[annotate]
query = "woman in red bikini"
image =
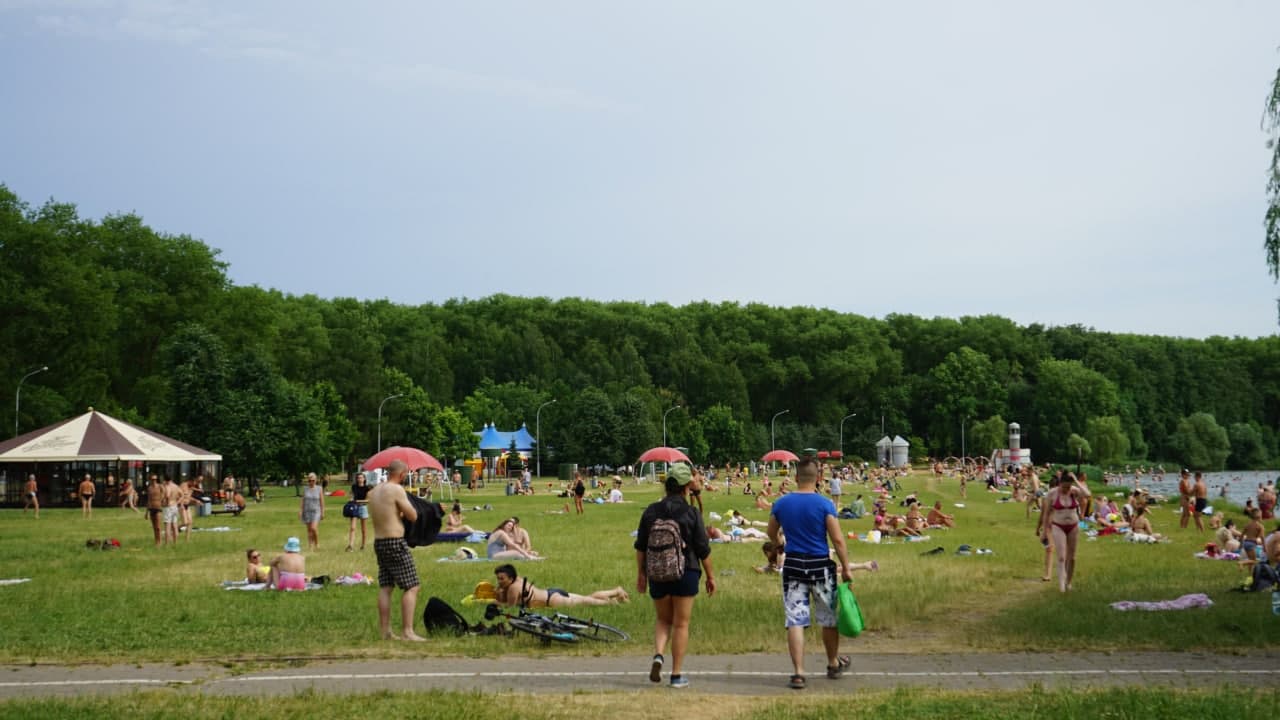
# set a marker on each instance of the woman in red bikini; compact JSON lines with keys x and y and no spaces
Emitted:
{"x":1063,"y":502}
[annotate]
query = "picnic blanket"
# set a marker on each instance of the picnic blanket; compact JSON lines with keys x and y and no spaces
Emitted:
{"x":246,"y":585}
{"x":1186,"y":602}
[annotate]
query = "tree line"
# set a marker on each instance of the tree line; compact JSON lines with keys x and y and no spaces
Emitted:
{"x":147,"y":326}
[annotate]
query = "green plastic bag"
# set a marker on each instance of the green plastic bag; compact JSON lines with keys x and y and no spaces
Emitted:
{"x":848,"y":615}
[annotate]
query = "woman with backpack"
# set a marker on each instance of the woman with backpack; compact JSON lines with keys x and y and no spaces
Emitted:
{"x":670,"y":545}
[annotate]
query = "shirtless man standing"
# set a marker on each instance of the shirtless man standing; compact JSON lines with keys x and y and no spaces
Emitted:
{"x":31,"y":496}
{"x":1201,"y":492}
{"x":87,"y":491}
{"x":155,"y":506}
{"x":172,"y":496}
{"x":1185,"y":492}
{"x":389,"y":508}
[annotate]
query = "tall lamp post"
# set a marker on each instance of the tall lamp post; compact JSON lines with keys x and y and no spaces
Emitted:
{"x":664,"y":423}
{"x":537,"y":430}
{"x":384,"y":402}
{"x":846,"y":417}
{"x":17,"y":397}
{"x":773,"y":445}
{"x":963,"y":422}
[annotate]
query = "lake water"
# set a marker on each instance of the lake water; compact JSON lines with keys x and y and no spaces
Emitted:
{"x":1241,"y":485}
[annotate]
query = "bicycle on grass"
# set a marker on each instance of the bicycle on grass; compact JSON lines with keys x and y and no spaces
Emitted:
{"x":558,"y":627}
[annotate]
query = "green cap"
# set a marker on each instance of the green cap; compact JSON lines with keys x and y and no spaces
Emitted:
{"x":681,"y":472}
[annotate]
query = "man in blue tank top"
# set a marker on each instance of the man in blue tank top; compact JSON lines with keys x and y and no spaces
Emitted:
{"x":808,"y":519}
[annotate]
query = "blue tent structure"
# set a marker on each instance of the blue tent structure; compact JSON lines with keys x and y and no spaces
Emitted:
{"x":492,"y":438}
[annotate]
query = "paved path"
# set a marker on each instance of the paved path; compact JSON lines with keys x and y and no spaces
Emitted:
{"x":719,"y":674}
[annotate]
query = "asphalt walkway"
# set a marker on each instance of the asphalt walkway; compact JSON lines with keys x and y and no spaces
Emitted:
{"x":754,"y":674}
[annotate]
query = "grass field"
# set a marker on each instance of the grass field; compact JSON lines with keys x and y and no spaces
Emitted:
{"x":140,"y":603}
{"x":1136,"y":703}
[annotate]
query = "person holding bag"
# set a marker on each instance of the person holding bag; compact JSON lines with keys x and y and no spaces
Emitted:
{"x":671,"y":544}
{"x":808,"y":573}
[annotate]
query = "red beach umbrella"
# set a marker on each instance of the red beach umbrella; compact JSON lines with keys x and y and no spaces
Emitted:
{"x":663,"y":454}
{"x":413,"y":457}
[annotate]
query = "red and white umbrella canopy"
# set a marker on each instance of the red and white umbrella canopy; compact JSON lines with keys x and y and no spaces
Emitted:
{"x":413,"y":457}
{"x":783,"y":456}
{"x":95,"y":436}
{"x":663,"y":454}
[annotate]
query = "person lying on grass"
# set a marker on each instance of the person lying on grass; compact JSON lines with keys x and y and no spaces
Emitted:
{"x":515,"y":590}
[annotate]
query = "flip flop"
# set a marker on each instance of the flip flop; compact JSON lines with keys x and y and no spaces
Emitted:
{"x":797,"y":682}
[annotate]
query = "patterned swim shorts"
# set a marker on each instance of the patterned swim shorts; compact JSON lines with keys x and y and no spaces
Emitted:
{"x":809,"y":585}
{"x":395,"y":564}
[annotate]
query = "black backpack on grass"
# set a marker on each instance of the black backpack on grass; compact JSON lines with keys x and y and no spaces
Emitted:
{"x":439,"y":615}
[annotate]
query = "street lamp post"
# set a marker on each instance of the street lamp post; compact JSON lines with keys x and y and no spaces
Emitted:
{"x":963,"y":422}
{"x":17,"y":397}
{"x":773,"y":445}
{"x":664,"y":424}
{"x":846,"y":417}
{"x":384,"y":402}
{"x":537,"y":430}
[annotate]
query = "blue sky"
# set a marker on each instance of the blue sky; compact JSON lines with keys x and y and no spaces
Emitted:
{"x":1089,"y":162}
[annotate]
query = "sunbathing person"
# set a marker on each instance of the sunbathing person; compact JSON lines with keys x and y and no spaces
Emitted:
{"x":915,"y":521}
{"x":937,"y":518}
{"x":762,"y":503}
{"x":1251,"y":538}
{"x":289,"y":571}
{"x":515,"y":590}
{"x":1228,"y":537}
{"x":1140,"y":528}
{"x":453,"y":521}
{"x":255,"y":571}
{"x":503,"y":545}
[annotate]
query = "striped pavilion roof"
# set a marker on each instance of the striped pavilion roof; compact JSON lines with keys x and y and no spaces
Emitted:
{"x":95,"y":436}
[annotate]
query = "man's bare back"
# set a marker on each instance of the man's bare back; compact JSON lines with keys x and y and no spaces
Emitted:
{"x":388,"y":503}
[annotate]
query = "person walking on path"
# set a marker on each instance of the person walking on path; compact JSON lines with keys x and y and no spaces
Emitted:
{"x":808,"y":520}
{"x":673,"y":599}
{"x":31,"y":496}
{"x":312,"y":511}
{"x":1062,"y":503}
{"x":389,"y":508}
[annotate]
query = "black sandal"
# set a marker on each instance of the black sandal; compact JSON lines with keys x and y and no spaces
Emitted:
{"x":797,"y":682}
{"x":842,"y":664}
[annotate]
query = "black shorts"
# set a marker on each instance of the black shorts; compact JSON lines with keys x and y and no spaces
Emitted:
{"x":686,"y":586}
{"x":395,"y":564}
{"x":1201,"y":504}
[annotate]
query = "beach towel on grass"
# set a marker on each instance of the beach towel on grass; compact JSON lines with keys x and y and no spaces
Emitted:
{"x":1186,"y":602}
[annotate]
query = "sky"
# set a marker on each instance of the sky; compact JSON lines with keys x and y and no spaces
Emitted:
{"x":1086,"y":162}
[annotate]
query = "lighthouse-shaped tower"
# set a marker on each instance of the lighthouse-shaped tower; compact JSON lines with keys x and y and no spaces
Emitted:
{"x":1014,"y":455}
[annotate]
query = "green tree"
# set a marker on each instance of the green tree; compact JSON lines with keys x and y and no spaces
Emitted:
{"x":1108,"y":440}
{"x":1067,"y":394}
{"x":1200,"y":442}
{"x":725,"y":435}
{"x":588,"y":436}
{"x":1079,"y":447}
{"x":962,"y":387}
{"x":198,"y":374}
{"x":984,"y":437}
{"x":1248,"y":450}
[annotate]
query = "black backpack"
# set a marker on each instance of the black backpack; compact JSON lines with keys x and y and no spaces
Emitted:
{"x":439,"y":615}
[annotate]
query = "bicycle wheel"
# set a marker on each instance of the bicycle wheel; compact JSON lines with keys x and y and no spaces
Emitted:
{"x":590,"y":629}
{"x":542,"y":629}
